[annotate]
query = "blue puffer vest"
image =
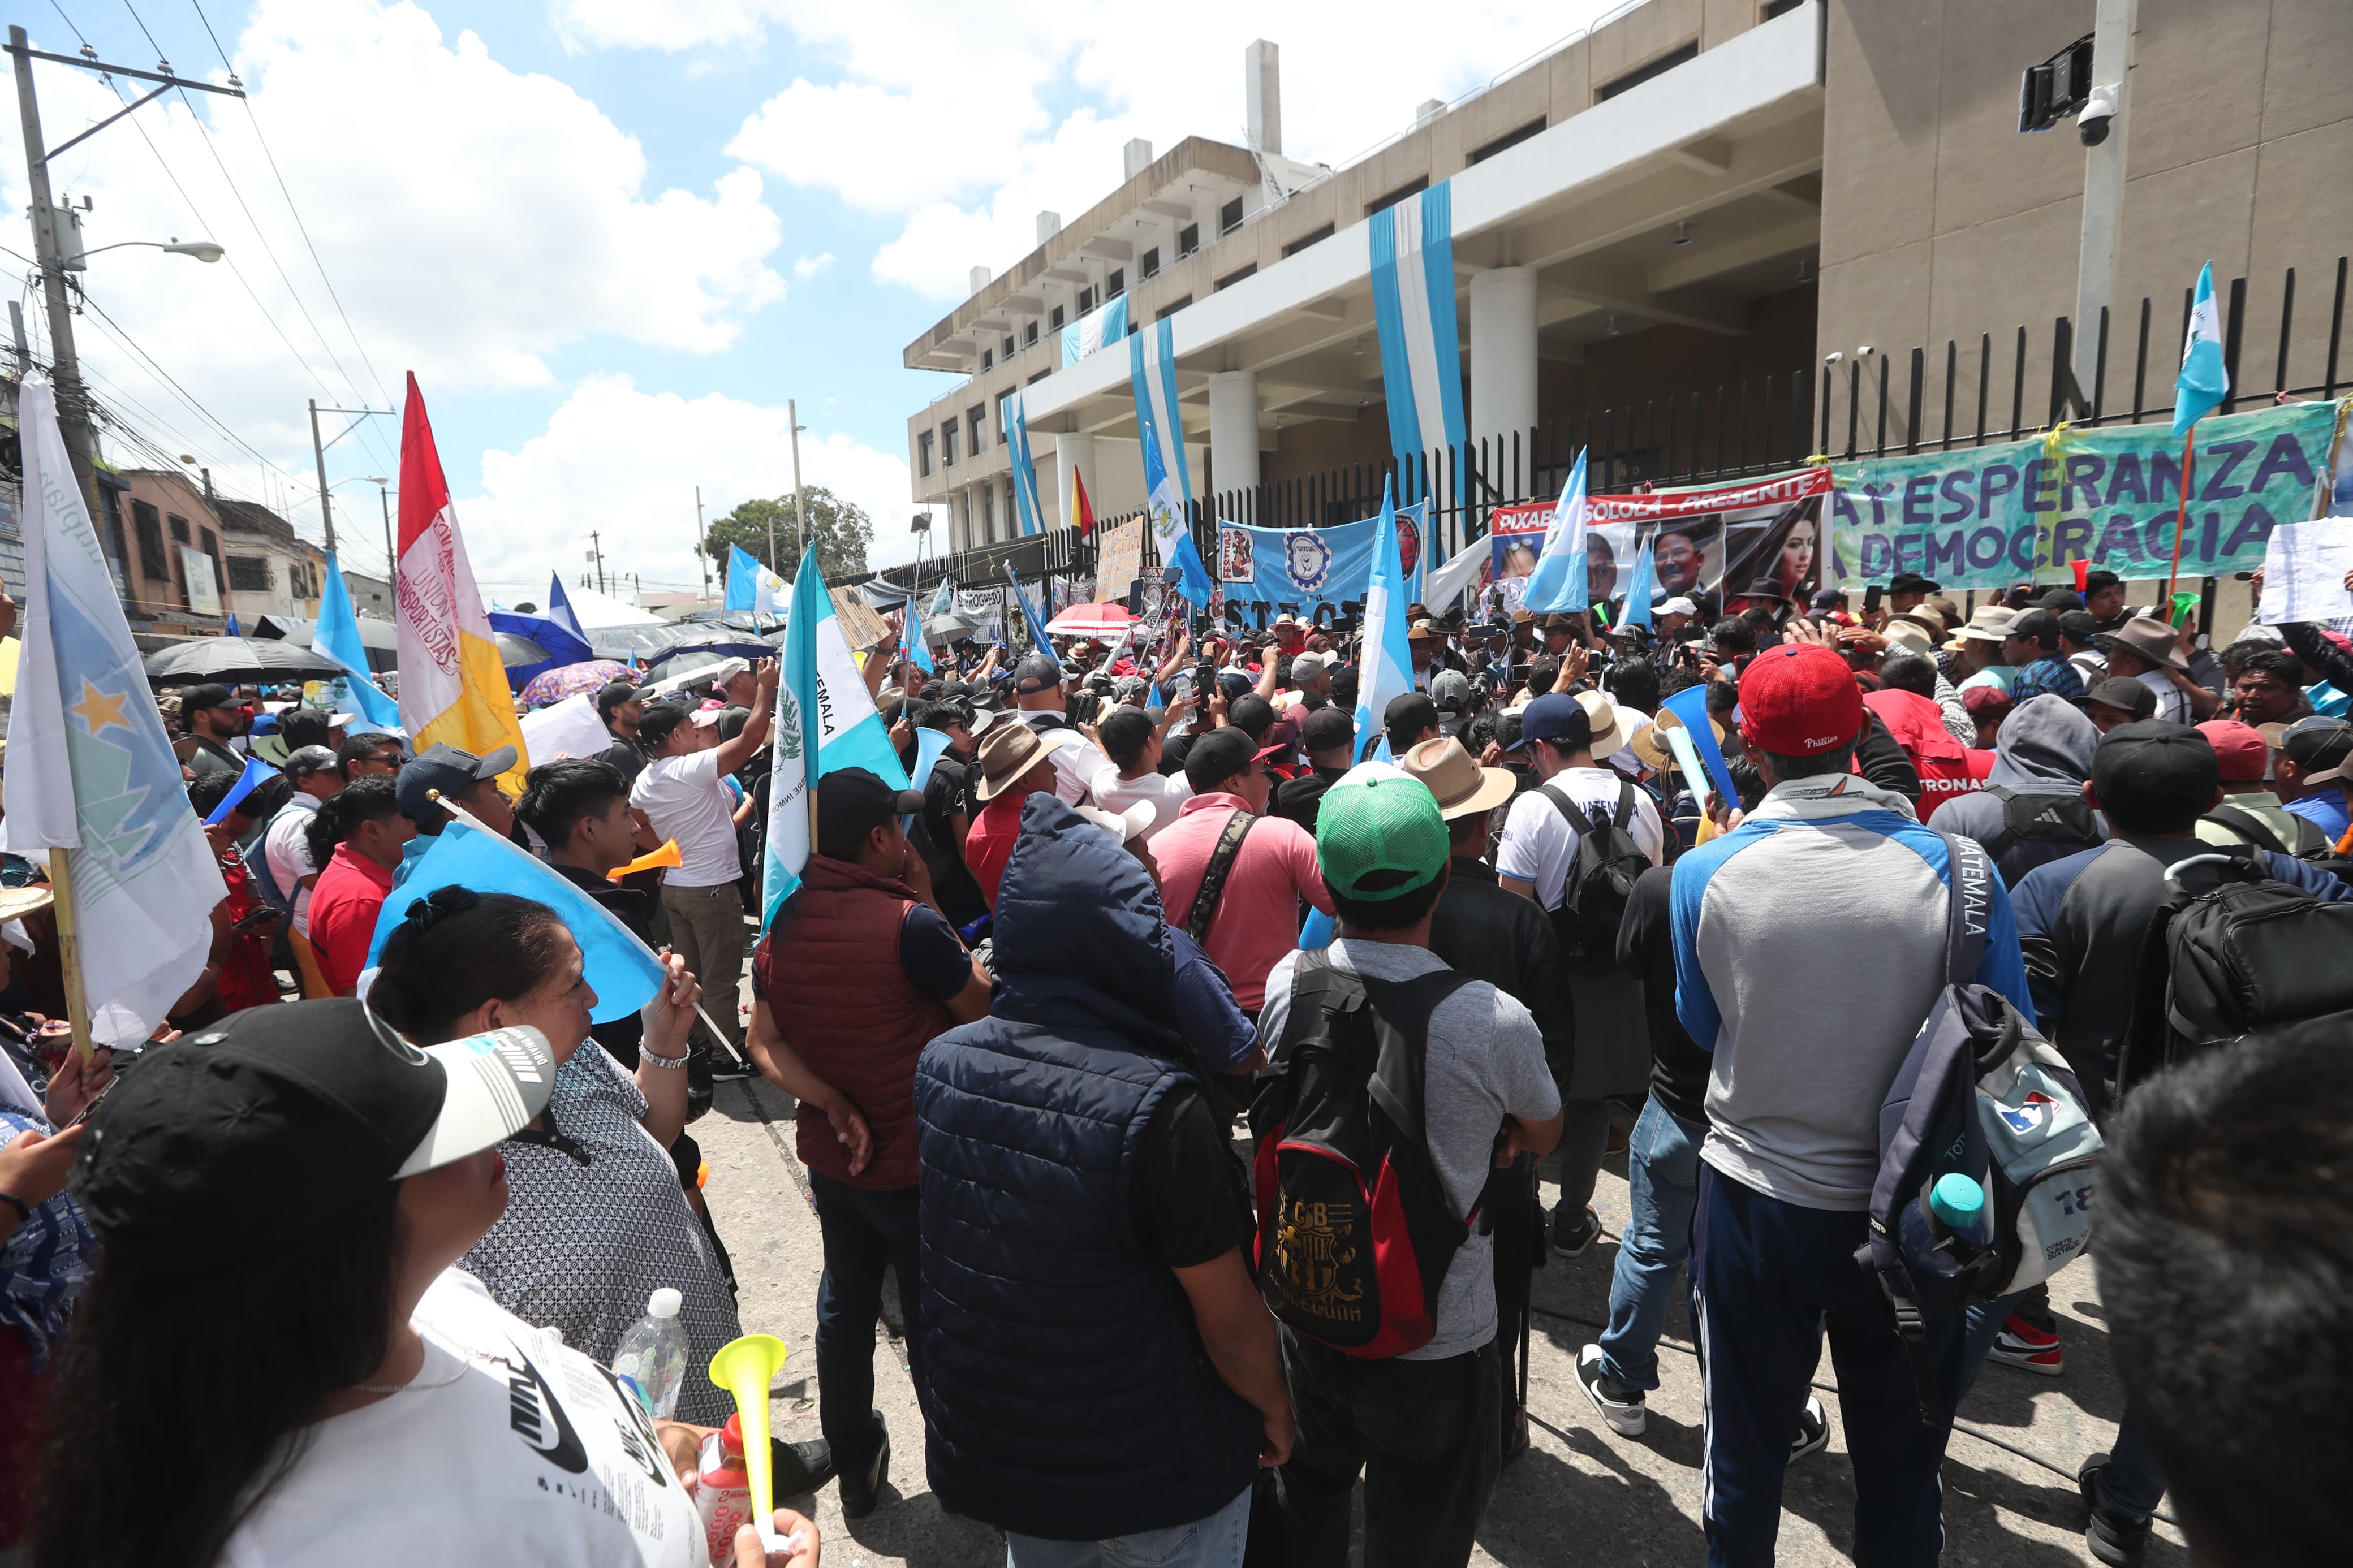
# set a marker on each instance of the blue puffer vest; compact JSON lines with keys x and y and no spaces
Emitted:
{"x":1067,"y":1394}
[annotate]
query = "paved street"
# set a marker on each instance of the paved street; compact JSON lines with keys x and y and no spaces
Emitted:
{"x":1581,"y":1496}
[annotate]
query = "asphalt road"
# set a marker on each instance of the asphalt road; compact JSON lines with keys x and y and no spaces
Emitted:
{"x":1582,"y":1495}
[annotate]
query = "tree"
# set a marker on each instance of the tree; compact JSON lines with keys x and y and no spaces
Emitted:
{"x":838,"y":529}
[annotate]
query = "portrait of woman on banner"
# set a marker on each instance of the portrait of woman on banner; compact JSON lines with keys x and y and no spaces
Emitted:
{"x":1785,"y":547}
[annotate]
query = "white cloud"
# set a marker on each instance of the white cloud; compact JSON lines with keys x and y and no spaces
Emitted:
{"x":673,"y":25}
{"x":808,"y":266}
{"x":626,"y":463}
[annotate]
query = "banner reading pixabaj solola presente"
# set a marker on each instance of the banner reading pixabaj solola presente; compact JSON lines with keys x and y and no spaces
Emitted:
{"x":1984,"y":517}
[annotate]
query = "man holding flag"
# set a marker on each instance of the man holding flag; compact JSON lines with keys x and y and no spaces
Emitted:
{"x":1385,"y":667}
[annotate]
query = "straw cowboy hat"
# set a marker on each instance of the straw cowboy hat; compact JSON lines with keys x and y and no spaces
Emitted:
{"x":1462,"y":785}
{"x":1991,"y":623}
{"x":1612,"y":726}
{"x":1652,"y":746}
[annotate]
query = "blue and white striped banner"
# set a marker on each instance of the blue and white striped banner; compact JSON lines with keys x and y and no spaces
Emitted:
{"x":1095,"y":330}
{"x":1167,"y":480}
{"x":1025,"y":471}
{"x":1413,"y":306}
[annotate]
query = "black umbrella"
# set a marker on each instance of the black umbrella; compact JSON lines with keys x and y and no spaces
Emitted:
{"x":516,"y":650}
{"x":234,"y":660}
{"x":715,"y":642}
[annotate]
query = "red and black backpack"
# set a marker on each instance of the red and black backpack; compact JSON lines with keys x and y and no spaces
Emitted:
{"x":1354,"y":1229}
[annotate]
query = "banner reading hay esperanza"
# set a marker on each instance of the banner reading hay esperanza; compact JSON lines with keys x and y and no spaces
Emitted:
{"x":1985,"y":517}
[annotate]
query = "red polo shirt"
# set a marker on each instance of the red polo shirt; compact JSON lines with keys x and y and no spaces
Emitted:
{"x":1258,"y":920}
{"x":988,"y":842}
{"x":343,"y":907}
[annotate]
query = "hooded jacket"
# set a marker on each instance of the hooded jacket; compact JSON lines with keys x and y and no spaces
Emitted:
{"x":1947,"y":768}
{"x":2046,"y":749}
{"x":1067,"y":1393}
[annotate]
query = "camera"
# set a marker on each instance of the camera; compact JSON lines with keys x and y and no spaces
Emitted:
{"x":2099,"y":111}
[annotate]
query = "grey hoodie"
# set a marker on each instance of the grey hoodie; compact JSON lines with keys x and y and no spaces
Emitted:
{"x":2046,"y":749}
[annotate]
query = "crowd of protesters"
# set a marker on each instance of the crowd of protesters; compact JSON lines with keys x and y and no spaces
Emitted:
{"x":1071,"y":1022}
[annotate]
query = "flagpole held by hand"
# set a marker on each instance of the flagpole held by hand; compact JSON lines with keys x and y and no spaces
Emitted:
{"x":70,"y":950}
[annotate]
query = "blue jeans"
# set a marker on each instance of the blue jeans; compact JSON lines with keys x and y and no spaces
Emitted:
{"x":2130,"y":1483}
{"x":1212,"y":1542}
{"x":865,"y":1231}
{"x":1662,"y":1187}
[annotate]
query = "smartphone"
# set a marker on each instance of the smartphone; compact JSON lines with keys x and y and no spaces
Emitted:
{"x":83,"y":1114}
{"x":1872,"y":597}
{"x":254,"y":917}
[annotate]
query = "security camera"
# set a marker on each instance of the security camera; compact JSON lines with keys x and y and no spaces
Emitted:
{"x":2093,"y":121}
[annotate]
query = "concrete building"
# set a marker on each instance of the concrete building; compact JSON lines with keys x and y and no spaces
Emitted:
{"x":270,"y":569}
{"x":172,"y":554}
{"x":1693,"y":195}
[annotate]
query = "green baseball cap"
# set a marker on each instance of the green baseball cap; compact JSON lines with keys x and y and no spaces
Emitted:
{"x":1378,"y":837}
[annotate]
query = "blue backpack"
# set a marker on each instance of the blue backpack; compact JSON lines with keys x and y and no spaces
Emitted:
{"x":1982,"y":1098}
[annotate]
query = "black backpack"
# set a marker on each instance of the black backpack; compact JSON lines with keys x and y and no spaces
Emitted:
{"x":2231,"y":949}
{"x":1356,"y":1232}
{"x":2066,"y":820}
{"x":1600,"y":880}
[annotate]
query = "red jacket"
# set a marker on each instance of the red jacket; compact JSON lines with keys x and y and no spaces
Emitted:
{"x":1947,"y":768}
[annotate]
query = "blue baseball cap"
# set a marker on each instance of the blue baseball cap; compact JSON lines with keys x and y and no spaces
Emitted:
{"x":1558,"y":718}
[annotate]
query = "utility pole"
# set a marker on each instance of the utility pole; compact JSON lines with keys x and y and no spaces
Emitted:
{"x":391,"y":561}
{"x":326,"y":506}
{"x":701,"y":548}
{"x":596,"y":554}
{"x":800,"y":499}
{"x":65,"y":365}
{"x":2103,"y":188}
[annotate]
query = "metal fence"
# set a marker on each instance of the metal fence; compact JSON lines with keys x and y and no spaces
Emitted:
{"x":1998,"y":389}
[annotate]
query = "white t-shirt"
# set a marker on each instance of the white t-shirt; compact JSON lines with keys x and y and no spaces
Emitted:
{"x":685,"y":799}
{"x":1538,"y":845}
{"x":1166,"y":792}
{"x":1077,"y":759}
{"x":528,"y":1453}
{"x":2171,"y":706}
{"x":289,"y":857}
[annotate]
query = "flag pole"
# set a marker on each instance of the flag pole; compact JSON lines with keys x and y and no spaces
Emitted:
{"x":2181,"y":518}
{"x":70,"y":950}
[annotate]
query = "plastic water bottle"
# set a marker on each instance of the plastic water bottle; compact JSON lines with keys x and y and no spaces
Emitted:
{"x":652,"y":1357}
{"x":1959,"y":1207}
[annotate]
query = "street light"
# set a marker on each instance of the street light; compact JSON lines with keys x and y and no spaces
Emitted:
{"x":202,"y":250}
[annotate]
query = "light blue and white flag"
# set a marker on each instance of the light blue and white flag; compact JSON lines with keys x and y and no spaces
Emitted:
{"x":1167,"y":479}
{"x":1025,"y":469}
{"x":1030,"y":616}
{"x":752,"y":586}
{"x":1096,"y":330}
{"x":912,"y":644}
{"x":1413,"y":307}
{"x":1557,"y":585}
{"x":1301,"y":567}
{"x":944,"y":602}
{"x":559,"y":607}
{"x":825,"y":722}
{"x":337,"y":636}
{"x":2204,"y":381}
{"x":89,"y":769}
{"x":1637,"y":611}
{"x":1386,"y":666}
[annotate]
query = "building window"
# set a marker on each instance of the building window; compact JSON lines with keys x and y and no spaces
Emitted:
{"x":1150,"y":264}
{"x":975,"y":419}
{"x":148,"y":523}
{"x":1513,"y":138}
{"x":1304,"y":240}
{"x":989,"y":512}
{"x":1640,"y":74}
{"x":179,"y":529}
{"x":1171,"y":307}
{"x":1032,"y":336}
{"x":1004,"y":418}
{"x":1411,"y":188}
{"x":1008,"y":350}
{"x":298,"y":581}
{"x":1086,"y":300}
{"x":1118,"y":284}
{"x":248,"y":574}
{"x":948,"y":443}
{"x":1777,"y":9}
{"x":1230,"y":278}
{"x":923,"y":453}
{"x":987,"y":360}
{"x":1188,"y":240}
{"x":1229,"y":216}
{"x":1055,"y":318}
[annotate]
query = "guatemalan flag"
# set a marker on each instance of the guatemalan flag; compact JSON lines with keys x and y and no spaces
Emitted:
{"x":1025,"y":469}
{"x":752,"y":588}
{"x":1387,"y":670}
{"x":453,"y":685}
{"x":89,"y":770}
{"x":1095,"y":330}
{"x":337,"y":636}
{"x":1557,"y":585}
{"x":1152,"y":379}
{"x":1413,"y":306}
{"x":825,"y":721}
{"x":2204,"y":381}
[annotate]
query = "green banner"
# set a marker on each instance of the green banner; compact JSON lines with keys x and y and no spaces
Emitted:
{"x":1985,"y":517}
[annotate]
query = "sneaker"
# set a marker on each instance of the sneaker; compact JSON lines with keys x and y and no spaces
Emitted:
{"x":1574,"y":1233}
{"x":728,"y":1068}
{"x":2116,"y":1538}
{"x":1813,"y":1429}
{"x":1621,"y":1406}
{"x":861,"y":1493}
{"x":2023,"y":1344}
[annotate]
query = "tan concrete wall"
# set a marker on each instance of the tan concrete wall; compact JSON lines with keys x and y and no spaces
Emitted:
{"x":1941,"y":222}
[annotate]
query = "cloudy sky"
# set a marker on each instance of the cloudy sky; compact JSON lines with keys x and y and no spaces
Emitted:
{"x":611,"y":237}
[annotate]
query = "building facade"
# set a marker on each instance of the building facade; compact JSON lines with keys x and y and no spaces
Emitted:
{"x":174,"y":564}
{"x":272,"y":570}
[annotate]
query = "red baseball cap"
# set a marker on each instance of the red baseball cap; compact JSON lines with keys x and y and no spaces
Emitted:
{"x":2239,"y":748}
{"x":1799,"y":700}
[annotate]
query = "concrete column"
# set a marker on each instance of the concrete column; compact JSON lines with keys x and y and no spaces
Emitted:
{"x":1233,"y":430}
{"x":1503,"y":365}
{"x":1070,"y":452}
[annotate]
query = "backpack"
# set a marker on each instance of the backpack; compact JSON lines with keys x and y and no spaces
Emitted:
{"x":2312,"y":844}
{"x":2042,"y":819}
{"x":1601,"y":878}
{"x":1356,"y":1232}
{"x":2231,"y":949}
{"x":1981,"y":1094}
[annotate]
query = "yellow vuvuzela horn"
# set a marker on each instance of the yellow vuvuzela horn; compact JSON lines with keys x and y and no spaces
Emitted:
{"x":745,"y":1367}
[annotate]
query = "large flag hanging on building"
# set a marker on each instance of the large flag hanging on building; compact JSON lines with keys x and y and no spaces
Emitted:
{"x":752,"y":588}
{"x":2205,"y":380}
{"x":825,"y":721}
{"x":337,"y":636}
{"x":1032,"y":515}
{"x":1095,"y":330}
{"x":453,"y":686}
{"x":1386,"y":666}
{"x":1422,"y":343}
{"x":89,"y":769}
{"x":1557,"y":585}
{"x":1167,"y":479}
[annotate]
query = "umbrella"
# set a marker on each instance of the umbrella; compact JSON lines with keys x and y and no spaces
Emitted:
{"x":514,"y":649}
{"x":232,"y":660}
{"x":1091,"y":621}
{"x":717,"y":642}
{"x":553,"y":686}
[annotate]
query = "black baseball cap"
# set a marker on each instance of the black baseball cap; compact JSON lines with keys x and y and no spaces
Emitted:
{"x":1328,"y":728}
{"x":613,"y":696}
{"x":304,"y":761}
{"x":2124,"y":694}
{"x":2155,"y":774}
{"x":2062,"y":601}
{"x":1252,"y":714}
{"x":2079,"y":625}
{"x":296,"y":1112}
{"x":2318,"y":743}
{"x":1219,"y":757}
{"x":2040,"y":624}
{"x":1037,"y":673}
{"x":852,"y":803}
{"x":444,"y":768}
{"x":212,"y":694}
{"x":1409,"y":714}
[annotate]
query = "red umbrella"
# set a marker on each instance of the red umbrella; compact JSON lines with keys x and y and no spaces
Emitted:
{"x":1091,"y":621}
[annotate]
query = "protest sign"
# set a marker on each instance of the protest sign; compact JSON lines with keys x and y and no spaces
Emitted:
{"x":1303,"y":567}
{"x":1119,"y":557}
{"x":2304,"y":571}
{"x":1985,"y":517}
